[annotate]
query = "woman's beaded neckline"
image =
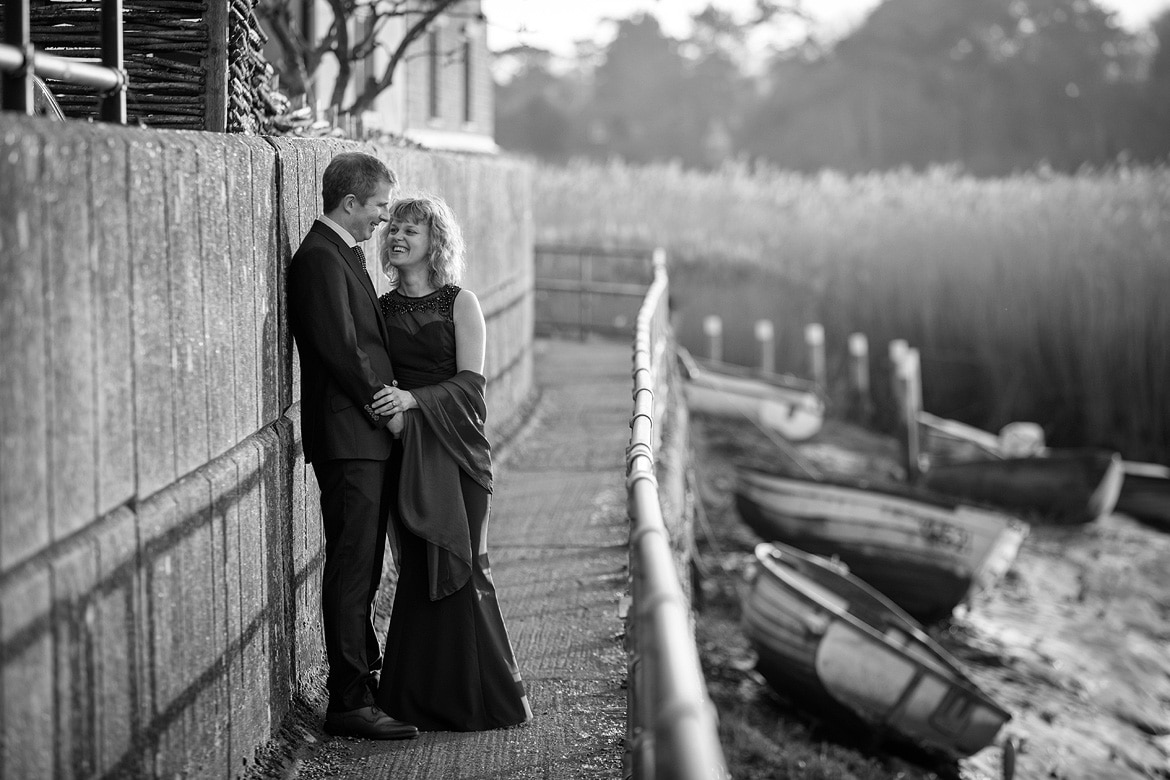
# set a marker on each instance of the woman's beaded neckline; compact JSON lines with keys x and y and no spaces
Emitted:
{"x":440,"y":300}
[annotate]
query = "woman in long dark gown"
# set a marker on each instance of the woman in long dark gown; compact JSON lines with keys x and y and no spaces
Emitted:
{"x":448,"y":663}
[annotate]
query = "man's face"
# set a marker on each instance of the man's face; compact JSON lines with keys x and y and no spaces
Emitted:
{"x":363,"y":218}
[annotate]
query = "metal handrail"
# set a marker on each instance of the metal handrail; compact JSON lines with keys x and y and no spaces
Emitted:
{"x":673,"y":726}
{"x":21,"y":63}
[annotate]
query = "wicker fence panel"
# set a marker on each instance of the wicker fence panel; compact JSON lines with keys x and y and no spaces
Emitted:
{"x":168,"y":49}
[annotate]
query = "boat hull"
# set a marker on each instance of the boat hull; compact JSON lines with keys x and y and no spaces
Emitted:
{"x":828,"y":640}
{"x":794,"y":415}
{"x":926,"y":556}
{"x":785,"y":405}
{"x":1061,"y":486}
{"x":1145,"y":494}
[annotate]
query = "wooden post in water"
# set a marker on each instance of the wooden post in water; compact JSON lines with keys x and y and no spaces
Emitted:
{"x":814,"y":339}
{"x":910,"y":379}
{"x":713,"y":330}
{"x":766,"y":338}
{"x":898,"y":348}
{"x":860,"y":402}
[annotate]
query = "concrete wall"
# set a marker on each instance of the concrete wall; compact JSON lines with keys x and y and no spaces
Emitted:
{"x":160,"y":541}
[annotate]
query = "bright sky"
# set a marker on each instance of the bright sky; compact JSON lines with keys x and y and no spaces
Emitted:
{"x":556,"y":24}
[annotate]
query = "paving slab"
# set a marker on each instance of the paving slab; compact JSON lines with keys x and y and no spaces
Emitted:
{"x":559,"y":559}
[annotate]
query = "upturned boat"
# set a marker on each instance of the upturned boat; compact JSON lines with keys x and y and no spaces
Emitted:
{"x":787,"y":405}
{"x":1063,"y":486}
{"x":926,"y":553}
{"x":1145,"y":493}
{"x":826,"y":639}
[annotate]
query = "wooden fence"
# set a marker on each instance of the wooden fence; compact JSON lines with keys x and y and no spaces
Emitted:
{"x":589,"y":290}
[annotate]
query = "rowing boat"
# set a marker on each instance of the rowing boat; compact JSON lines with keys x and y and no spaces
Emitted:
{"x":1145,"y":493}
{"x":926,"y":553}
{"x":826,"y":639}
{"x":787,"y":405}
{"x":1063,"y":486}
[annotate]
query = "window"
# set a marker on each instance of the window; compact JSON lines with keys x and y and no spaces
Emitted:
{"x":468,"y":82}
{"x":433,"y":74}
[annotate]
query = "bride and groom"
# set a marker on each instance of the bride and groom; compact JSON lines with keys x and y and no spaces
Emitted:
{"x":392,"y":409}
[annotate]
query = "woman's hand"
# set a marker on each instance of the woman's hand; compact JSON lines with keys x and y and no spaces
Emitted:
{"x":395,"y":425}
{"x":392,"y":400}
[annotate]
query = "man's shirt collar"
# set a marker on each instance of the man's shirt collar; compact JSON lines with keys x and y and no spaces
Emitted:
{"x":339,"y":230}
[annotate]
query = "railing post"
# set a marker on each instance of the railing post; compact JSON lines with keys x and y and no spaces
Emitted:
{"x":18,"y":85}
{"x":113,"y":107}
{"x":584,"y":302}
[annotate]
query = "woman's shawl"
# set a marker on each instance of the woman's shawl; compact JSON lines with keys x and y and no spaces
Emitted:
{"x":444,"y":438}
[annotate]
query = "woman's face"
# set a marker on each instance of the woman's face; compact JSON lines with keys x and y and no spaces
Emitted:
{"x":408,"y":243}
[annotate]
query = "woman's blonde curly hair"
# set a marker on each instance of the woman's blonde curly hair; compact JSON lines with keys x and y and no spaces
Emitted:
{"x":446,"y":255}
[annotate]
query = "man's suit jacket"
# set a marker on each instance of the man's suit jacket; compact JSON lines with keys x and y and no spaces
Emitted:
{"x":343,"y":342}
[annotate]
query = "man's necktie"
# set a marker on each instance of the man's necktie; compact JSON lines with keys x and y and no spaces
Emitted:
{"x":361,"y":256}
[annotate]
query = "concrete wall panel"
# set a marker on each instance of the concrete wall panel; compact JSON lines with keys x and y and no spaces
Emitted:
{"x":68,"y":272}
{"x":189,"y":377}
{"x":26,"y":681}
{"x":118,"y":660}
{"x":160,"y":534}
{"x":154,"y":389}
{"x":268,"y":248}
{"x":113,"y":342}
{"x":24,"y":439}
{"x":217,"y":261}
{"x":277,"y":503}
{"x":243,"y":299}
{"x":74,"y":575}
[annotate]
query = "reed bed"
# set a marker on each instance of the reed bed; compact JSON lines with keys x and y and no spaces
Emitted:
{"x":1036,"y":297}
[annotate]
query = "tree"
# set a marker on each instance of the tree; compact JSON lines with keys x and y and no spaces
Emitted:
{"x":637,"y":94}
{"x":357,"y":29}
{"x":996,"y":85}
{"x":535,"y":108}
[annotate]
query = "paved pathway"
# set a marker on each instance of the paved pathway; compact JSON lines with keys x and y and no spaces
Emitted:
{"x":559,"y":559}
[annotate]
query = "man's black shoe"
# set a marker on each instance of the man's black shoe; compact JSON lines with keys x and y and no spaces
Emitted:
{"x":369,"y":723}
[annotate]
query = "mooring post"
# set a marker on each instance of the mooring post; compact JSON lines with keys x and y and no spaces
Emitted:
{"x":898,"y":348}
{"x":814,"y":339}
{"x":766,"y":338}
{"x":713,"y":330}
{"x":860,"y":402}
{"x":910,"y":378}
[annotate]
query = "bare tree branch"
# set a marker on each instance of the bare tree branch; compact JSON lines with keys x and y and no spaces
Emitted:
{"x":375,"y":86}
{"x":301,"y":55}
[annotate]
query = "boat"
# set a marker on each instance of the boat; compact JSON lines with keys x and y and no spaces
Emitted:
{"x":1063,"y":486}
{"x":1145,"y":493}
{"x":828,"y":640}
{"x":789,"y":406}
{"x":926,"y":553}
{"x":944,"y":441}
{"x":1145,"y":487}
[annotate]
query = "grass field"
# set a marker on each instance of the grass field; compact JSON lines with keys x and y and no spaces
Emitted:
{"x":1036,"y":297}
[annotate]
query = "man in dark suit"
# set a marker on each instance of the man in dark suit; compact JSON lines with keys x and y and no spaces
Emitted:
{"x":343,"y":345}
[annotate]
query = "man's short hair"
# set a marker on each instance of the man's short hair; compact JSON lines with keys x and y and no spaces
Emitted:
{"x":353,"y":173}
